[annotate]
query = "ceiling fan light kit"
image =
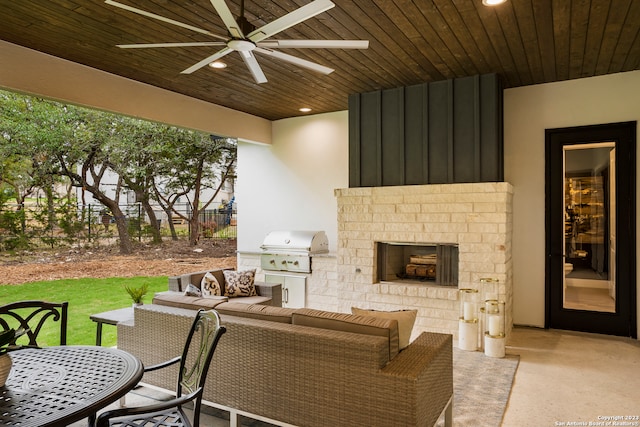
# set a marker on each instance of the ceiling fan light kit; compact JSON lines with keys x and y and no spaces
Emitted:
{"x":493,"y":2}
{"x":245,"y":39}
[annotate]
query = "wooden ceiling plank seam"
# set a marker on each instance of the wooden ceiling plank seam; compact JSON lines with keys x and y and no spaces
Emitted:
{"x":497,"y":38}
{"x":443,"y":41}
{"x":389,"y":41}
{"x":611,"y":37}
{"x":509,"y":24}
{"x":472,"y":20}
{"x":633,"y":58}
{"x":161,"y":32}
{"x":434,"y":37}
{"x":444,"y":15}
{"x":420,"y":50}
{"x":461,"y":32}
{"x":579,"y":25}
{"x":624,"y":55}
{"x":562,"y":37}
{"x":543,"y":18}
{"x":598,"y":16}
{"x":531,"y":46}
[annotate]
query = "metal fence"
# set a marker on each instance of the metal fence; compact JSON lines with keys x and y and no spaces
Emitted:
{"x":33,"y":225}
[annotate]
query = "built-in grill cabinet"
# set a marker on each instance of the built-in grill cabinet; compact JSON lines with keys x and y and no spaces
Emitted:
{"x":286,"y":259}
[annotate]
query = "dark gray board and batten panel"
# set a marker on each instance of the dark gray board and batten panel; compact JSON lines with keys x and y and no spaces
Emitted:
{"x":433,"y":133}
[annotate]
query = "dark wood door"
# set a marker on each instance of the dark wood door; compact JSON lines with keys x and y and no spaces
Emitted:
{"x":590,"y":229}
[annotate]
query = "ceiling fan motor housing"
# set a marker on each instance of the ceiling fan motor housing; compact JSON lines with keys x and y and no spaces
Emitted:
{"x":241,"y":45}
{"x":245,"y":26}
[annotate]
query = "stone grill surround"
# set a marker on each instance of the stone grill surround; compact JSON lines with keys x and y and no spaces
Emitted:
{"x":477,"y":217}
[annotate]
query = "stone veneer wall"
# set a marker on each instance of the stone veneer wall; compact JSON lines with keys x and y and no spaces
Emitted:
{"x":478,"y":217}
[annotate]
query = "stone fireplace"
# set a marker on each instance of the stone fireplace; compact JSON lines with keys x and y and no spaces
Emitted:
{"x":475,"y":218}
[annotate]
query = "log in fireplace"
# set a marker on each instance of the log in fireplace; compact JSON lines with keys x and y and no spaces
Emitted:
{"x":435,"y":263}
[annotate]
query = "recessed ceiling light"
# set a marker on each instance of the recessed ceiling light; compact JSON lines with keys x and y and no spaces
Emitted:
{"x":492,"y":2}
{"x":218,"y":64}
{"x":305,"y":110}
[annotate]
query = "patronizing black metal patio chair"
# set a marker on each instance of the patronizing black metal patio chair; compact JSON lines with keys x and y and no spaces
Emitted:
{"x":201,"y":343}
{"x":32,"y":315}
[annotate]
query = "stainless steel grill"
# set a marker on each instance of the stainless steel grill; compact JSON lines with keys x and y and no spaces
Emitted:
{"x":292,"y":250}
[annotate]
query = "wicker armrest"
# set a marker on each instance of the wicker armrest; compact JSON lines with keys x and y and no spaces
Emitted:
{"x":428,"y":363}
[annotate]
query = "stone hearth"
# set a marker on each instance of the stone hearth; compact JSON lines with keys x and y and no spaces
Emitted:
{"x":476,"y":217}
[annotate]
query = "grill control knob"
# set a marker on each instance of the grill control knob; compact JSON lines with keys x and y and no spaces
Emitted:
{"x":296,"y":263}
{"x":284,"y":262}
{"x":272,"y":262}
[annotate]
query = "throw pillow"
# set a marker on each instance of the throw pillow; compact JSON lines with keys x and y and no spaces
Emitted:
{"x":192,"y":291}
{"x":210,"y":286}
{"x":239,"y":283}
{"x":405,"y":318}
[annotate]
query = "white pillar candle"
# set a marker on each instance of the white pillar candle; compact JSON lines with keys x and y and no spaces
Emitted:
{"x":494,"y":325}
{"x":468,"y":311}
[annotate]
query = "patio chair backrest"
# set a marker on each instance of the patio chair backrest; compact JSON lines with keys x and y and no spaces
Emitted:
{"x":200,"y":345}
{"x":32,"y":315}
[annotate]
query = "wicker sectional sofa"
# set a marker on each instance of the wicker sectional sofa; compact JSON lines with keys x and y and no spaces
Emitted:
{"x":305,"y":367}
{"x":267,"y":293}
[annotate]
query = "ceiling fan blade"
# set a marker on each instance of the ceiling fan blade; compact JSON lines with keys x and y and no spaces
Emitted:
{"x":320,"y":44}
{"x":150,"y":45}
{"x":295,"y":60}
{"x":250,"y":59}
{"x":219,"y":54}
{"x":290,"y":19}
{"x":228,"y":19}
{"x":162,"y":18}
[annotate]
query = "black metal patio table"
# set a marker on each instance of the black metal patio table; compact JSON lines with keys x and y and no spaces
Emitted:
{"x":56,"y":386}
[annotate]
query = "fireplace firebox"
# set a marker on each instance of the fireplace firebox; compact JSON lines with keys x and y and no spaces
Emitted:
{"x":420,"y":263}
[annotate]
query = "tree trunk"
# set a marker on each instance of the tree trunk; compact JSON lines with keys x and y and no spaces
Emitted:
{"x":126,"y":246}
{"x":194,"y":230}
{"x":155,"y":227}
{"x":169,"y":211}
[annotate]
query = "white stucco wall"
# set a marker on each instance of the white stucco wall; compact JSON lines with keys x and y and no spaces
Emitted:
{"x":528,"y":111}
{"x":289,"y":185}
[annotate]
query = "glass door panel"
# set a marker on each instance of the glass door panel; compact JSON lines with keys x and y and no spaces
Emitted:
{"x":589,"y":256}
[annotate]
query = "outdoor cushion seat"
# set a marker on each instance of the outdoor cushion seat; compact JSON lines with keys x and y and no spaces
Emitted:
{"x":177,"y":299}
{"x":256,"y":311}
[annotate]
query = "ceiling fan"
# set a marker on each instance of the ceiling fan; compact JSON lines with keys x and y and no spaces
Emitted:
{"x":245,"y":39}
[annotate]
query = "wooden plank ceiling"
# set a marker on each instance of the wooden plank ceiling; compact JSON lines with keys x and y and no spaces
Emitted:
{"x":411,"y":41}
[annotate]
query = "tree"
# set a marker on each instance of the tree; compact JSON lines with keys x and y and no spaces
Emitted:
{"x":135,"y":147}
{"x":63,"y":141}
{"x":203,"y":162}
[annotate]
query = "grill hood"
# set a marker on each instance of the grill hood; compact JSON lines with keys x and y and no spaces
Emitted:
{"x":291,"y":241}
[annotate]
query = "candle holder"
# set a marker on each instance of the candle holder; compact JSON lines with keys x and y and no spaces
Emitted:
{"x":468,"y":320}
{"x":494,"y":330}
{"x":490,"y":288}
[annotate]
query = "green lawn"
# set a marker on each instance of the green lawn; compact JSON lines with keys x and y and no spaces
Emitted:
{"x":85,"y":297}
